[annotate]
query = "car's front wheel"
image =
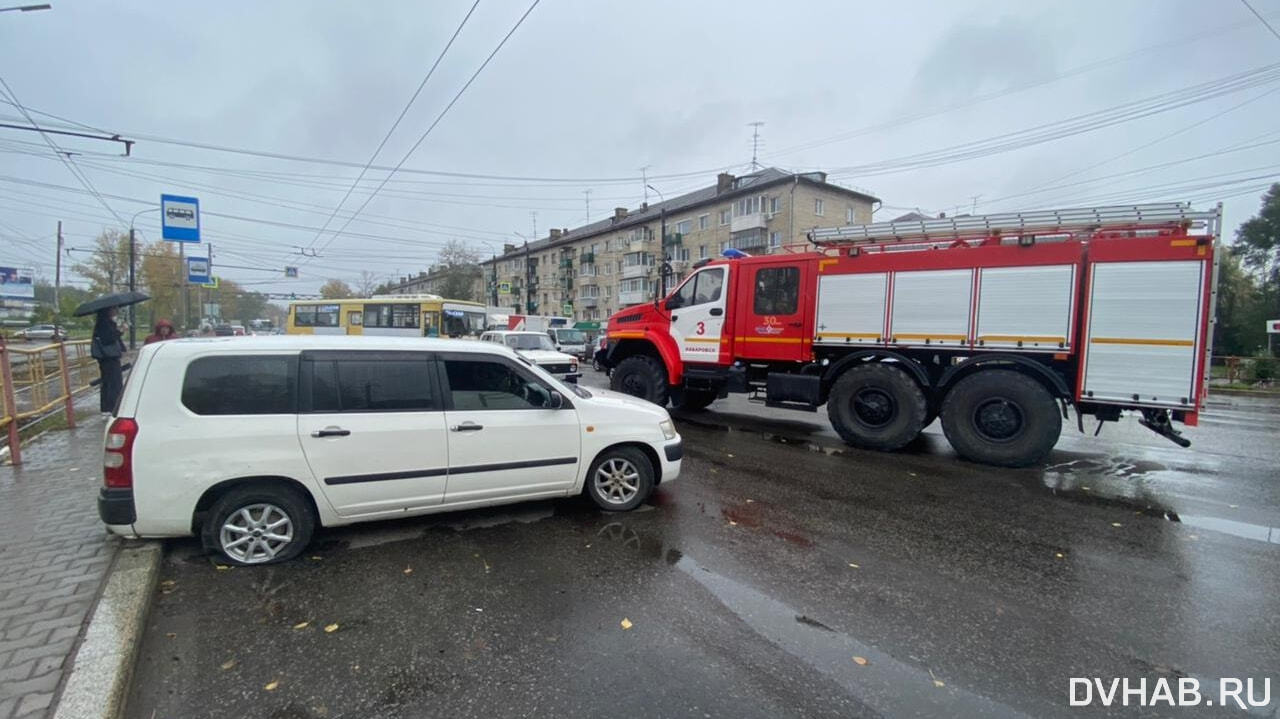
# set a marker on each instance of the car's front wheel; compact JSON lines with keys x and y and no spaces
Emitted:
{"x":620,"y":479}
{"x":259,"y":525}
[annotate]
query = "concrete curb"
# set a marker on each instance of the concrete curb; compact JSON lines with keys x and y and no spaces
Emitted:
{"x":98,"y":680}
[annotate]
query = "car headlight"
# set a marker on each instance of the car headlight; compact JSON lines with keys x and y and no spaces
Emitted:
{"x":668,"y":429}
{"x":573,"y":367}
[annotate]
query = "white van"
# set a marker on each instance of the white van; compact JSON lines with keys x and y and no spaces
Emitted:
{"x":252,"y":442}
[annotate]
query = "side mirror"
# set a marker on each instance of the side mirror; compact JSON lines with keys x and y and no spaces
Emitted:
{"x":557,"y":400}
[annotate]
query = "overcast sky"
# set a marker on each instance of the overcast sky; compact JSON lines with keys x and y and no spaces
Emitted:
{"x":889,"y":97}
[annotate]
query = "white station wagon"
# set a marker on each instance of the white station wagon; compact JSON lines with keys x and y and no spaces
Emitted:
{"x":252,"y":442}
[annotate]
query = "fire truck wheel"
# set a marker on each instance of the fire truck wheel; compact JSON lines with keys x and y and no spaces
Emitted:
{"x":641,"y":376}
{"x":692,"y":400}
{"x":1001,"y":417}
{"x":876,"y":406}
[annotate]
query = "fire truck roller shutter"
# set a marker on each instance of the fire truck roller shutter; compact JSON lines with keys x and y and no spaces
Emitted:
{"x":851,"y":308}
{"x":931,"y":307}
{"x":1143,"y":324}
{"x":1026,"y":308}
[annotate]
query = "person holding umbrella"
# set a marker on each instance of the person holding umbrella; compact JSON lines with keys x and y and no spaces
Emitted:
{"x":107,"y":346}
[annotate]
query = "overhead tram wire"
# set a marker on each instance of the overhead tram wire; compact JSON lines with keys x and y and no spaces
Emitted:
{"x":432,"y":126}
{"x":83,"y":179}
{"x":1261,"y":19}
{"x":395,"y":124}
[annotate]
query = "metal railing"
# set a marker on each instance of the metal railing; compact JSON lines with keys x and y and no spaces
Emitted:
{"x":36,"y":381}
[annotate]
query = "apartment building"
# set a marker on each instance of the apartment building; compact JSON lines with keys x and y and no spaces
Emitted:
{"x":590,"y":272}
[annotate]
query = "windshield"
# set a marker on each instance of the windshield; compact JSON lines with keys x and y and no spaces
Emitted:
{"x":571,"y":337}
{"x":530,"y":342}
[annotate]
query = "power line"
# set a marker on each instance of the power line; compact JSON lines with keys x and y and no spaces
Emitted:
{"x":66,"y":160}
{"x":1261,"y":19}
{"x":395,"y":124}
{"x":433,"y":124}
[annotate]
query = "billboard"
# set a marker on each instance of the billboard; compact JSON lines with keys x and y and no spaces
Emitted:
{"x":17,"y":283}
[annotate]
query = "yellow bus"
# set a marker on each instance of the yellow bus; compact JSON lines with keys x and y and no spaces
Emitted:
{"x":387,"y":315}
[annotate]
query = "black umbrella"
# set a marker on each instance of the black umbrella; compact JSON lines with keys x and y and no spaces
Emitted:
{"x":120,"y":299}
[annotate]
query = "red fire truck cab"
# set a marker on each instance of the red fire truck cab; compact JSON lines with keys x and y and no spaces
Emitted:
{"x":995,"y":324}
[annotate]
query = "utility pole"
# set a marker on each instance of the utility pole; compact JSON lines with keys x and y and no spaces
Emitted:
{"x":57,"y":276}
{"x":182,"y":280}
{"x":974,"y":209}
{"x":755,"y":143}
{"x":644,"y":180}
{"x":133,"y":285}
{"x":588,"y":196}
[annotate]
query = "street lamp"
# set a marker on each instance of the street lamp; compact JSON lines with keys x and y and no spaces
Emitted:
{"x":133,"y":325}
{"x":26,"y":8}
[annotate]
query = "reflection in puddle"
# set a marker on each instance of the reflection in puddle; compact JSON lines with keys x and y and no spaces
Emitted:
{"x":889,"y":686}
{"x":1270,"y":535}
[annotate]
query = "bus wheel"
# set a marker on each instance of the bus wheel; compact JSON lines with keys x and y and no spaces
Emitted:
{"x":876,"y":406}
{"x":1001,"y":417}
{"x":641,"y":376}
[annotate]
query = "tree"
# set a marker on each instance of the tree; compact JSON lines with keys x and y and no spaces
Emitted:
{"x":1240,"y":314}
{"x":1258,"y":247}
{"x":107,"y":269}
{"x":161,"y":275}
{"x":459,"y":266}
{"x":367,"y":285}
{"x":336,"y":289}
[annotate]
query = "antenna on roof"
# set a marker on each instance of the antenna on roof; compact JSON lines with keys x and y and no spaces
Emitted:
{"x":755,"y":144}
{"x":644,"y":180}
{"x":588,"y":195}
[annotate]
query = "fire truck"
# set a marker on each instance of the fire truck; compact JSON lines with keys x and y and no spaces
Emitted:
{"x":997,"y":325}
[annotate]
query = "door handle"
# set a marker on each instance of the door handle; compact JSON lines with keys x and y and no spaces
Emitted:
{"x":716,"y":312}
{"x":331,"y":432}
{"x":466,"y":427}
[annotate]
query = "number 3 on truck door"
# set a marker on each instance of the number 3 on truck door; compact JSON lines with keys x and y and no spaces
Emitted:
{"x":697,"y":314}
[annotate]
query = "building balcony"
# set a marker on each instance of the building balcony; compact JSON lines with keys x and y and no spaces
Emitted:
{"x":631,"y":272}
{"x":633,"y":297}
{"x":638,"y":245}
{"x":755,"y":221}
{"x":587,"y":258}
{"x":750,"y":240}
{"x":566,"y":262}
{"x":588,"y":301}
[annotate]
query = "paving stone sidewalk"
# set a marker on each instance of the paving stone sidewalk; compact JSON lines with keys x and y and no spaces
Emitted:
{"x":54,"y":557}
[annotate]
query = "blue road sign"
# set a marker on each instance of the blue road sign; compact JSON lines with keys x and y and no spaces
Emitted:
{"x":180,"y":218}
{"x":198,"y":270}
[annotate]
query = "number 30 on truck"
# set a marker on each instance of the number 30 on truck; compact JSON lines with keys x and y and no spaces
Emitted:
{"x":997,"y":325}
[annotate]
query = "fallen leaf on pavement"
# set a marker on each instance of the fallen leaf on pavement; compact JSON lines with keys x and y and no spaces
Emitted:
{"x":167,"y":583}
{"x":1058,"y":555}
{"x":271,"y":685}
{"x":1234,"y":506}
{"x":228,"y":664}
{"x":732,"y":523}
{"x":408,"y":570}
{"x":1085,"y":489}
{"x":626,"y":623}
{"x":729,"y":455}
{"x":171,"y":635}
{"x":301,"y":625}
{"x":315,"y":558}
{"x":861,"y":661}
{"x":221,"y":567}
{"x":331,"y":628}
{"x":851,"y":564}
{"x":938,"y":683}
{"x":749,"y":501}
{"x":1116,"y":524}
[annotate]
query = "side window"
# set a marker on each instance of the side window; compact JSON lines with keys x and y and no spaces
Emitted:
{"x":486,"y":384}
{"x":710,"y":283}
{"x":777,"y":291}
{"x":241,"y":385}
{"x":683,"y":297}
{"x":372,"y":385}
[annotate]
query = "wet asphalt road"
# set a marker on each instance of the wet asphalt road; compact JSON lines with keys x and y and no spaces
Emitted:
{"x":753,"y":582}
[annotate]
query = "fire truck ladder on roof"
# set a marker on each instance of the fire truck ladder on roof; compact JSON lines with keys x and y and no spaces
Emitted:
{"x":1168,"y":215}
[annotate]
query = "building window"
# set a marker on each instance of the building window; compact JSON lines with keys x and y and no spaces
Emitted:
{"x":775,"y":239}
{"x":848,"y":215}
{"x":748,"y":206}
{"x":704,"y":221}
{"x":681,"y":254}
{"x":775,"y":205}
{"x":818,"y":206}
{"x":684,"y":227}
{"x":702,"y":252}
{"x":725,"y":216}
{"x":777,"y":291}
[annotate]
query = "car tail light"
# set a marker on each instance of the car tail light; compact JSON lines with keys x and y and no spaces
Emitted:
{"x":117,"y":455}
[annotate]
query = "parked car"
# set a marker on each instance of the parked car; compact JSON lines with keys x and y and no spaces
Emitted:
{"x":569,"y":341}
{"x":52,"y":333}
{"x":537,"y":348}
{"x":252,"y":443}
{"x":238,"y":331}
{"x":601,"y":351}
{"x":224,"y":331}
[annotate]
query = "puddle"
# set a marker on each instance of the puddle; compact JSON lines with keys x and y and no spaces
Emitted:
{"x":888,"y":685}
{"x":1257,"y":532}
{"x":751,"y":517}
